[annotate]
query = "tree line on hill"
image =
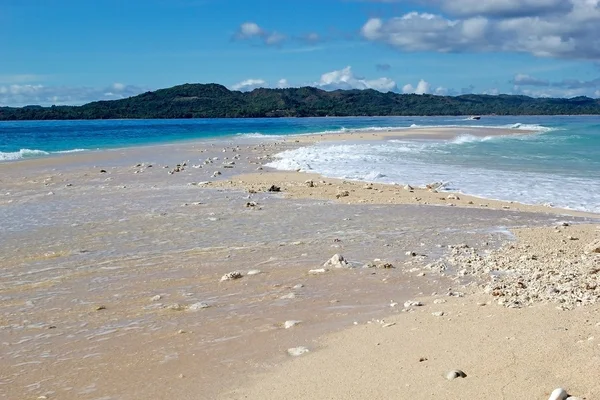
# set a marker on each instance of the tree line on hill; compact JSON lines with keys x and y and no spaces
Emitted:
{"x":216,"y":101}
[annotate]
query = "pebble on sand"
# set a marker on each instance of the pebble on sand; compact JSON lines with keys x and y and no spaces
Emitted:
{"x":253,"y":272}
{"x":198,"y":306}
{"x":290,"y":324}
{"x":317,"y":271}
{"x":230,"y":276}
{"x":337,"y":261}
{"x":558,"y":394}
{"x":455,"y":373}
{"x":297,"y":351}
{"x":156,"y":297}
{"x":412,"y":303}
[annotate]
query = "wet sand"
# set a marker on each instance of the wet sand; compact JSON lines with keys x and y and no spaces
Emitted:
{"x":111,"y":286}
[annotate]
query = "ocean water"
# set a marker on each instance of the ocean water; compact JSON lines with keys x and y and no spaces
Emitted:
{"x":558,"y":164}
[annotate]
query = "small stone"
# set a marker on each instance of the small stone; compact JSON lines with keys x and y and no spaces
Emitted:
{"x":176,"y":307}
{"x":455,"y":373}
{"x":290,"y":324}
{"x":422,"y":359}
{"x":317,"y":271}
{"x":309,"y":183}
{"x":288,"y":296}
{"x":452,"y":197}
{"x":230,"y":276}
{"x":297,"y":351}
{"x":99,"y":308}
{"x":337,"y":261}
{"x":411,"y":254}
{"x":412,"y":303}
{"x":156,"y":298}
{"x":558,"y":394}
{"x":102,"y":171}
{"x":572,"y":238}
{"x":439,"y":301}
{"x":438,"y":314}
{"x":253,"y":272}
{"x":298,"y":286}
{"x":274,"y":188}
{"x":343,"y":193}
{"x":198,"y":306}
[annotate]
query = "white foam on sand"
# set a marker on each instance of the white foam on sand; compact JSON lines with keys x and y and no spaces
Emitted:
{"x":405,"y":162}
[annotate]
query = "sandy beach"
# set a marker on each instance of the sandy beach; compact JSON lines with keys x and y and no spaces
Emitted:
{"x":191,"y":270}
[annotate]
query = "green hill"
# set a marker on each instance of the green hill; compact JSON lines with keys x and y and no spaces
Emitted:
{"x":216,"y":101}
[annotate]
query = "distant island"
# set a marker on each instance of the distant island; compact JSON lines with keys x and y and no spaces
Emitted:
{"x":216,"y":101}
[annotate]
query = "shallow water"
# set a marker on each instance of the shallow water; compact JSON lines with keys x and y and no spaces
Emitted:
{"x":80,"y":267}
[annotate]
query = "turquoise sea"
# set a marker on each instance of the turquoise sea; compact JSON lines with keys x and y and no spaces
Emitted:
{"x":558,"y":164}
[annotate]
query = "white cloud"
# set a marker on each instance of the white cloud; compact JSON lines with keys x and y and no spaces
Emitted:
{"x":252,"y":31}
{"x":527,"y":80}
{"x":597,"y":93}
{"x":249,"y":84}
{"x":441,"y":91}
{"x":21,"y":95}
{"x":423,"y":87}
{"x":544,"y":28}
{"x":345,"y":79}
{"x":283,"y":83}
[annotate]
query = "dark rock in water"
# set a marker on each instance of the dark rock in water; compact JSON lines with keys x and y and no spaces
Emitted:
{"x":274,"y":188}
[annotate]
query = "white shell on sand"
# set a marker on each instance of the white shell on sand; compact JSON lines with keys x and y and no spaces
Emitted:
{"x":317,"y":271}
{"x":455,"y":373}
{"x":290,"y":324}
{"x":253,"y":272}
{"x":198,"y":306}
{"x":412,"y":303}
{"x":297,"y":351}
{"x":559,"y":394}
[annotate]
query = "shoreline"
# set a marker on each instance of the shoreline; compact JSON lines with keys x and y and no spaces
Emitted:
{"x":128,"y":264}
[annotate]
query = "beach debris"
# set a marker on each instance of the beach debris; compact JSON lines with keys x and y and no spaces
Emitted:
{"x":102,"y":171}
{"x":230,"y":276}
{"x":439,"y":301}
{"x":388,"y":325}
{"x":176,"y":307}
{"x":198,"y":306}
{"x":438,"y":314}
{"x":274,"y":189}
{"x":309,"y":183}
{"x":559,"y":394}
{"x":317,"y":271}
{"x":156,"y":297}
{"x":337,"y":261}
{"x":290,"y":323}
{"x":409,"y":188}
{"x":412,"y":303}
{"x":251,"y":204}
{"x":455,"y":373}
{"x":342,"y":193}
{"x":411,"y":254}
{"x":100,"y":308}
{"x":434,"y":185}
{"x":253,"y":272}
{"x":216,"y":173}
{"x":422,"y":359}
{"x":298,"y":286}
{"x":297,"y":351}
{"x":452,"y":197}
{"x":593,"y":247}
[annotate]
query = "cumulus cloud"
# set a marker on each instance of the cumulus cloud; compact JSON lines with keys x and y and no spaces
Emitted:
{"x":423,"y":87}
{"x":252,"y":31}
{"x":250,"y":84}
{"x":283,"y":83}
{"x":544,"y":28}
{"x":345,"y":79}
{"x":21,"y":95}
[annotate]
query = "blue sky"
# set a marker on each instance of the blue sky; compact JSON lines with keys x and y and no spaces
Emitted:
{"x":74,"y":51}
